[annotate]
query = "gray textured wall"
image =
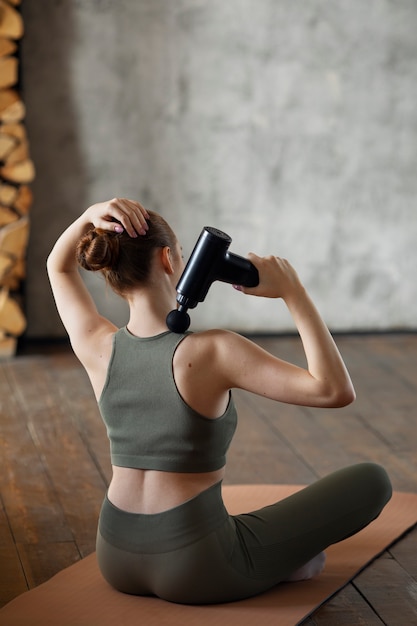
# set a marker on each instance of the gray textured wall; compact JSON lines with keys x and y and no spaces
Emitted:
{"x":291,"y":125}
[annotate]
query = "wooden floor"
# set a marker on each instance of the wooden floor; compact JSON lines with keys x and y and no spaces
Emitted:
{"x":55,"y":465}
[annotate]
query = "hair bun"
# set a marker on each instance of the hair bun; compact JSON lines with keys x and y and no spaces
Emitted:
{"x":98,"y":250}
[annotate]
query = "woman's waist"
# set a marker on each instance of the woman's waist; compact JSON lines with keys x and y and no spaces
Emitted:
{"x":167,"y":530}
{"x":151,"y":491}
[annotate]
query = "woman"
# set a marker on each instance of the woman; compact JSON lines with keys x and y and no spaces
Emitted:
{"x":166,"y":402}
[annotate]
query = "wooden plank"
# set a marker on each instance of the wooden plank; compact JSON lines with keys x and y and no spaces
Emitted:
{"x":347,"y":608}
{"x":38,"y":563}
{"x":82,"y":409}
{"x":405,"y":551}
{"x":384,"y":405}
{"x":382,"y":584}
{"x":304,"y":434}
{"x":31,"y":506}
{"x":91,"y":429}
{"x":386,"y":390}
{"x":304,"y":428}
{"x":359,"y":437}
{"x":72,"y":471}
{"x":12,"y":577}
{"x":352,"y":434}
{"x":259,"y":454}
{"x":33,"y":514}
{"x":395,"y":353}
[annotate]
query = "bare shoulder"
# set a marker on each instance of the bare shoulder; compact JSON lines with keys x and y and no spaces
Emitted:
{"x":199,"y":372}
{"x":215,"y":350}
{"x":209,"y":341}
{"x":232,"y":361}
{"x":223,"y":340}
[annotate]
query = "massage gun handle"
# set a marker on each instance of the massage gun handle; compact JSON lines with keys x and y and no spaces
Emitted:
{"x":237,"y":270}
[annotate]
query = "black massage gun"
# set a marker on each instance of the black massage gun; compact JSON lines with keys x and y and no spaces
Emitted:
{"x":209,"y":261}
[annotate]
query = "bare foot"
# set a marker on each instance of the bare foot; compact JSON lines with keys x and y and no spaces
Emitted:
{"x":310,"y":569}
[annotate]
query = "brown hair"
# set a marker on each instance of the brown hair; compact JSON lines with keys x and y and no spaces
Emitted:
{"x":124,"y":261}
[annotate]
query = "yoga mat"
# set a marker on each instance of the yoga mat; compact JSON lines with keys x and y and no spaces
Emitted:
{"x":78,"y":596}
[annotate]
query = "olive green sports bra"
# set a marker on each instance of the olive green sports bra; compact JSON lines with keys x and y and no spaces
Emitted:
{"x":148,"y":423}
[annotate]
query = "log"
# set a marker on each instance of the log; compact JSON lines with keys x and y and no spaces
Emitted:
{"x":11,"y":23}
{"x":7,"y":144}
{"x":19,"y":150}
{"x":18,"y":154}
{"x":23,"y":172}
{"x":7,"y":47}
{"x":8,"y":71}
{"x":8,"y":194}
{"x":23,"y":200}
{"x":14,"y":238}
{"x":15,"y":275}
{"x":12,"y":320}
{"x":18,"y":131}
{"x":8,"y":346}
{"x":6,"y":265}
{"x":12,"y":108}
{"x":7,"y":216}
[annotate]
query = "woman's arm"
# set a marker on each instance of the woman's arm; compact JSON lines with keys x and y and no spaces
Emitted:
{"x":324,"y":383}
{"x":75,"y":305}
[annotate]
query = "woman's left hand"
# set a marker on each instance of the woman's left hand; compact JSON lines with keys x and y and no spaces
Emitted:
{"x":119,"y":214}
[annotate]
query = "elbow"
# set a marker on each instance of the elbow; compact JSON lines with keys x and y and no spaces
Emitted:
{"x":49,"y":263}
{"x":342,"y":396}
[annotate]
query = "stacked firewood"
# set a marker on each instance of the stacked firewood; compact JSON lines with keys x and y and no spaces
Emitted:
{"x":16,"y":173}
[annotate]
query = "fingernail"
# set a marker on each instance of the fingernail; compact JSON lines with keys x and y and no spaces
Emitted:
{"x":118,"y":228}
{"x":237,"y":287}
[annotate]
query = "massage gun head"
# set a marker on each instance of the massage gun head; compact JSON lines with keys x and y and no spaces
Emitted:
{"x":178,"y":320}
{"x":209,"y":261}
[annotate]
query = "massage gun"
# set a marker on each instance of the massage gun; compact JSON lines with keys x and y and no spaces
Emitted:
{"x":209,"y":261}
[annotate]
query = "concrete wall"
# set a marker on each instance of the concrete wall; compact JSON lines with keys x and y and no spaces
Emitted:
{"x":290,"y":125}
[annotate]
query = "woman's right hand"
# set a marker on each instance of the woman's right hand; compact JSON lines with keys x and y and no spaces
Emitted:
{"x":119,"y":214}
{"x":277,"y":278}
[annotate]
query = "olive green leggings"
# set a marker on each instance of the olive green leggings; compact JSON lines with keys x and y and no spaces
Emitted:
{"x":197,"y":553}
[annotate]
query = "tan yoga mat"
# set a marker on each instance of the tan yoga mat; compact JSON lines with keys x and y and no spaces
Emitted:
{"x":78,"y":596}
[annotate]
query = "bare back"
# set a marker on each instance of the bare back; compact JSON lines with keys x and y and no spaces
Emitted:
{"x":151,"y":491}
